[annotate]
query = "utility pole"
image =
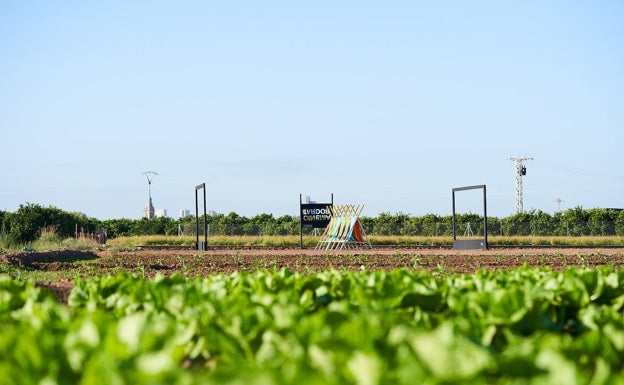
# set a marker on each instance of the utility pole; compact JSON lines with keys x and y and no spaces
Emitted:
{"x":149,"y":211}
{"x":520,"y":172}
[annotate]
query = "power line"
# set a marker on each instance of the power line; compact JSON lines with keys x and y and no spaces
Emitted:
{"x":576,"y":170}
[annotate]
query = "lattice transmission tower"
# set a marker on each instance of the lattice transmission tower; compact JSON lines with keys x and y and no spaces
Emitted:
{"x":520,"y":172}
{"x":558,"y":201}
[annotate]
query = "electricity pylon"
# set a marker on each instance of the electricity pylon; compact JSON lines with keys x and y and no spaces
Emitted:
{"x":520,"y":172}
{"x":558,"y":202}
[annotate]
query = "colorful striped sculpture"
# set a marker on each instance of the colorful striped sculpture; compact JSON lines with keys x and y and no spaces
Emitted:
{"x":344,"y":230}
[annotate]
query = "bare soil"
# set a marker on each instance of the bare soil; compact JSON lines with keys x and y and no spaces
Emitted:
{"x":70,"y":263}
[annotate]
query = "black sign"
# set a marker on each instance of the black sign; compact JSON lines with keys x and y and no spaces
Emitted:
{"x":315,"y":215}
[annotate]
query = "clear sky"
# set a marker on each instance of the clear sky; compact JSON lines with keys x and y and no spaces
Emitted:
{"x":388,"y":104}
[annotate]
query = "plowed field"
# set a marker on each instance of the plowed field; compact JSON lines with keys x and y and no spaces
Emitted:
{"x":69,"y":264}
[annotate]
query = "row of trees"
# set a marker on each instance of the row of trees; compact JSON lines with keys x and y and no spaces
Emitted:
{"x":28,"y":222}
{"x":572,"y":222}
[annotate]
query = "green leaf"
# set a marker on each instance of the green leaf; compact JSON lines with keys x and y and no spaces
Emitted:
{"x":450,"y":356}
{"x":365,"y":368}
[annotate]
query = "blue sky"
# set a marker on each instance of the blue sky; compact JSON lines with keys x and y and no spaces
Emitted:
{"x":386,"y":104}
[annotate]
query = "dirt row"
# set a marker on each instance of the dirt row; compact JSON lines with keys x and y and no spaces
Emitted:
{"x":150,"y":262}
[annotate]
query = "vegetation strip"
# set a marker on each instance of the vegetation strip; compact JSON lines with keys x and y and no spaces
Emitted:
{"x":32,"y":221}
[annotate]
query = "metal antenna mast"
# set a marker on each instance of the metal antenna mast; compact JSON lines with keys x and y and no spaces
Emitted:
{"x":520,"y":172}
{"x":149,"y":211}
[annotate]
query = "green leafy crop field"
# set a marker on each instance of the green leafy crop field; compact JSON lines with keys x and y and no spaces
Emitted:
{"x":401,"y":326}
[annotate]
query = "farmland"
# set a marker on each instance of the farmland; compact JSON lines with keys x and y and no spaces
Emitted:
{"x":283,"y":316}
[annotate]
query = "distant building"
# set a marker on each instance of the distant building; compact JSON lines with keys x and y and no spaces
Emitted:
{"x":149,"y":210}
{"x":185,"y":213}
{"x":160,"y":213}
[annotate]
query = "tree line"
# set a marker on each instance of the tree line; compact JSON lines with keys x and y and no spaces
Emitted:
{"x":30,"y":220}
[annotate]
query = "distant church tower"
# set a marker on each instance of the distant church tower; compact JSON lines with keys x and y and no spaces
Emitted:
{"x":149,"y":211}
